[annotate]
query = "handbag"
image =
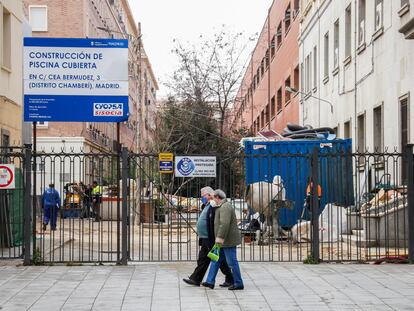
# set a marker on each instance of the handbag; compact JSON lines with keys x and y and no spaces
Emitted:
{"x":214,"y":253}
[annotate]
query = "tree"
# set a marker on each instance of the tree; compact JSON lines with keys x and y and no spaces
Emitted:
{"x":210,"y":72}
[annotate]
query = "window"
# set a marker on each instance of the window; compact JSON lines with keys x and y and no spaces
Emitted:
{"x":336,"y":44}
{"x":379,"y":5}
{"x":5,"y":138}
{"x":326,"y":61}
{"x":267,"y":59}
{"x":254,"y":127}
{"x":6,"y":41}
{"x":279,"y":100}
{"x":347,"y":130}
{"x":267,"y":114}
{"x":315,"y":68}
{"x":378,"y":130}
{"x":258,"y":124}
{"x":258,"y":76}
{"x":38,"y":17}
{"x":287,"y":94}
{"x":288,"y":15}
{"x":263,"y":119}
{"x":272,"y":47}
{"x":302,"y":75}
{"x":404,"y":121}
{"x":348,"y":31}
{"x":273,"y":107}
{"x":296,"y":78}
{"x":42,"y":124}
{"x":404,"y":132}
{"x":308,"y":73}
{"x":296,"y":7}
{"x":262,"y":68}
{"x":361,"y":19}
{"x":361,"y":133}
{"x":279,"y":35}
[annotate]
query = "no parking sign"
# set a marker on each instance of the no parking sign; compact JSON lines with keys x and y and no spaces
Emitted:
{"x":7,"y":180}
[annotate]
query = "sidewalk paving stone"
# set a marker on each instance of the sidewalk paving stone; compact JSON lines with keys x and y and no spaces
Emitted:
{"x":159,"y":286}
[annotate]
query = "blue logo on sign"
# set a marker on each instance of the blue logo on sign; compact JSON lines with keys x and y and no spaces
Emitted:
{"x":185,"y":166}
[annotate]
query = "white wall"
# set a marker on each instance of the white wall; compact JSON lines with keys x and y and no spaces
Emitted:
{"x":384,"y":70}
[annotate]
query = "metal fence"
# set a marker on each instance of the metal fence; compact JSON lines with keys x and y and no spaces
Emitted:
{"x":332,"y":206}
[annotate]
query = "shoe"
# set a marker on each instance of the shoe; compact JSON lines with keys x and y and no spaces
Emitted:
{"x":191,"y":282}
{"x":44,"y":227}
{"x":233,"y":287}
{"x":205,"y":284}
{"x":226,"y":284}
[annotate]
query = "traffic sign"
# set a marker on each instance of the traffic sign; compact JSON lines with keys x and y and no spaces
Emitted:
{"x":7,"y":176}
{"x":166,"y":163}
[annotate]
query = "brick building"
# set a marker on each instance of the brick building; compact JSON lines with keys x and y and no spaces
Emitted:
{"x":262,"y":101}
{"x":93,"y":19}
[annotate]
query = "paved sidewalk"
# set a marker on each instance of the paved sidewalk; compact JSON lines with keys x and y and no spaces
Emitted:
{"x":268,"y":286}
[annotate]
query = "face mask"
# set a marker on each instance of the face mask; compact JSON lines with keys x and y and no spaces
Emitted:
{"x":213,"y":203}
{"x":204,"y":200}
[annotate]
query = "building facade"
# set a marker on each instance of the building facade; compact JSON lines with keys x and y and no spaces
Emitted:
{"x":262,"y":101}
{"x":354,"y":58}
{"x":148,"y":123}
{"x":11,"y":72}
{"x":93,"y":19}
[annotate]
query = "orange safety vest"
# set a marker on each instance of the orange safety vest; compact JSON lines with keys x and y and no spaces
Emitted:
{"x":308,"y":190}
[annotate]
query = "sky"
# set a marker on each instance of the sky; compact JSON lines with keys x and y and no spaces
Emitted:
{"x":162,"y":21}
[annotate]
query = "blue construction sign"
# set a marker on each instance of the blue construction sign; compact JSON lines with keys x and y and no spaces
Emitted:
{"x":75,"y":80}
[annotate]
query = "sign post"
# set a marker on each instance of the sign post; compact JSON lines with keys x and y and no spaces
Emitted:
{"x":7,"y":176}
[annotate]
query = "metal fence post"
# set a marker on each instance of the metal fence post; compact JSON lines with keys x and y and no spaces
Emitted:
{"x":27,"y":211}
{"x":315,"y":204}
{"x":410,"y":192}
{"x":125,"y":212}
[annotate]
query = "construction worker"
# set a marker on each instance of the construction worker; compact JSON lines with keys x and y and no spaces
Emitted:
{"x":96,"y":200}
{"x":51,"y":205}
{"x":309,"y":190}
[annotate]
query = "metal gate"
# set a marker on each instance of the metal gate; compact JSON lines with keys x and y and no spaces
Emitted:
{"x":361,"y":212}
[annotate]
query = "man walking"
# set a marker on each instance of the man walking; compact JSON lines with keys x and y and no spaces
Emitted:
{"x":206,"y":241}
{"x":51,"y":205}
{"x":228,"y":237}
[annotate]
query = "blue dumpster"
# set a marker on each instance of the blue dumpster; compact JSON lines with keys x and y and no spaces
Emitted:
{"x":292,"y":161}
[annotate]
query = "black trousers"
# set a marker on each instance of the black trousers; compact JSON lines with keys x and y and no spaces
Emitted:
{"x":203,"y":262}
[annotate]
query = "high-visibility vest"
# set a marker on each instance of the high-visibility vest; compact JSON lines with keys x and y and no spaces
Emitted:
{"x":308,"y":190}
{"x":97,"y":190}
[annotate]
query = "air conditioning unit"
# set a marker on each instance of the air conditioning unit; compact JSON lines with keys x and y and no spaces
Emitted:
{"x":361,"y":38}
{"x":378,"y":16}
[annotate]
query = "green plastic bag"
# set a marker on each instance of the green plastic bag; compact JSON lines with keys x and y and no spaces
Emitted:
{"x":214,"y":254}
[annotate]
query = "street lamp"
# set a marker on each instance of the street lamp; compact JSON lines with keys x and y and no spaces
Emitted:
{"x":295,"y":91}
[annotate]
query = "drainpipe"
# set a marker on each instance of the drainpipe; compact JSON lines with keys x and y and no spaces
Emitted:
{"x":319,"y":79}
{"x":355,"y":75}
{"x":251,"y":72}
{"x":268,"y":69}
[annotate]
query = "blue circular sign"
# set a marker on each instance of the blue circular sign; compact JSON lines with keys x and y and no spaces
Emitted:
{"x":185,"y":166}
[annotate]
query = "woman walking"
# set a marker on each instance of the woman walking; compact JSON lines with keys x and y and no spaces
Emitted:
{"x":228,"y":237}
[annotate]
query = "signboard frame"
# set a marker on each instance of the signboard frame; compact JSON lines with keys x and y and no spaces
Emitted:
{"x":75,"y":80}
{"x":195,"y":166}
